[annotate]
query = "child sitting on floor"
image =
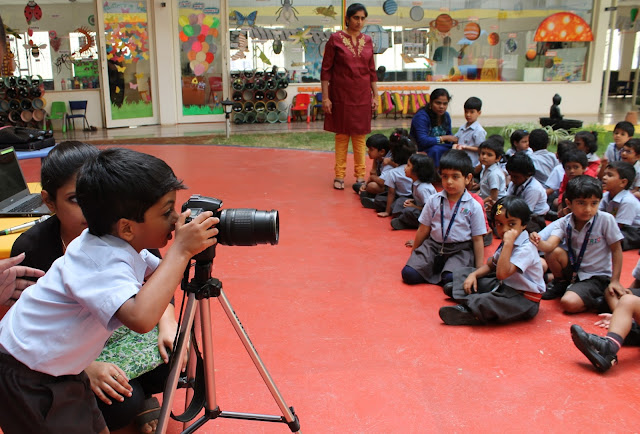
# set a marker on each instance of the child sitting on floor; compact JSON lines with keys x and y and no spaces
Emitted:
{"x":619,"y":202}
{"x":524,"y":185}
{"x":622,"y":132}
{"x":59,"y":326}
{"x":631,"y":154}
{"x":543,"y":160}
{"x":378,"y":147}
{"x":587,"y":142}
{"x":420,"y":169}
{"x":592,"y":260}
{"x":575,"y":163}
{"x":514,"y":293}
{"x":519,"y":143}
{"x":452,"y":226}
{"x":492,"y":181}
{"x":397,"y":183}
{"x":554,"y":181}
{"x":123,"y":386}
{"x":471,"y":134}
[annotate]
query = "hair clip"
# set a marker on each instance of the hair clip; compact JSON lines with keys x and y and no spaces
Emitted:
{"x":499,"y":209}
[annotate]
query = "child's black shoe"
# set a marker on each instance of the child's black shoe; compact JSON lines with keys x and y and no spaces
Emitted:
{"x":596,"y":348}
{"x":458,"y":315}
{"x":555,"y":289}
{"x":448,"y":289}
{"x":397,"y":225}
{"x":367,"y":202}
{"x":356,"y":187}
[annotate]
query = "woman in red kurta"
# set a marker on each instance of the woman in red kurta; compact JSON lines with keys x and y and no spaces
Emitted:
{"x":349,"y":91}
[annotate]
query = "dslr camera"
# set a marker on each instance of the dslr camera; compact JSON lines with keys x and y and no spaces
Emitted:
{"x":237,"y":227}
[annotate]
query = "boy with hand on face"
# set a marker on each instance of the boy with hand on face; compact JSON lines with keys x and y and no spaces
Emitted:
{"x":471,"y":134}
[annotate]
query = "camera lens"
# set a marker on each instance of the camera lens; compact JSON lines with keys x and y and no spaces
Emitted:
{"x":248,"y":227}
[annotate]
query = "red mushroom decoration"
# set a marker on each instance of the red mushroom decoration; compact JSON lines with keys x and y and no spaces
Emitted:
{"x":563,"y":27}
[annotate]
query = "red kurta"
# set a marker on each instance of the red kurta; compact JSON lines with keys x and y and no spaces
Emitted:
{"x":350,"y":71}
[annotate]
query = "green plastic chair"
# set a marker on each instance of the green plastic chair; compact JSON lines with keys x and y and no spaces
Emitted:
{"x":59,"y":111}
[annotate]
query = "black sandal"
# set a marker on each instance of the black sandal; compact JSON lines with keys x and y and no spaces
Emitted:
{"x":338,"y":184}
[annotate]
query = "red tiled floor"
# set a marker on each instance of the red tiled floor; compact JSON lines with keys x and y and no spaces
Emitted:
{"x":351,"y":347}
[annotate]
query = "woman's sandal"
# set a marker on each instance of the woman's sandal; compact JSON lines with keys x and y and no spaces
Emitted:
{"x":150,"y":412}
{"x":338,"y":184}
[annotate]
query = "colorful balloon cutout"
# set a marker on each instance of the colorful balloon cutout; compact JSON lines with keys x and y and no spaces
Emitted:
{"x":202,"y":38}
{"x":191,"y":55}
{"x":196,"y":46}
{"x":205,"y":47}
{"x":216,"y":22}
{"x":183,"y":20}
{"x":188,"y":30}
{"x":196,"y":29}
{"x":209,"y":58}
{"x":199,"y":69}
{"x":472,"y":31}
{"x":214,"y":32}
{"x":208,"y":21}
{"x":200,"y":18}
{"x":563,"y":27}
{"x":183,"y":37}
{"x":193,"y":19}
{"x":493,"y":38}
{"x":443,"y":23}
{"x":200,"y":56}
{"x":204,"y":30}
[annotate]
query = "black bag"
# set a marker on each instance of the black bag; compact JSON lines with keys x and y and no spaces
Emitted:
{"x":26,"y":139}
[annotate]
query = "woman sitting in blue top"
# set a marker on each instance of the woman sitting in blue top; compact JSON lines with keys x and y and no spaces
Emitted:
{"x":431,"y":126}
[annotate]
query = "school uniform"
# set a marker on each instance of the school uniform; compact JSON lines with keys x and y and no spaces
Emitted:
{"x":385,"y":167}
{"x":544,"y":162}
{"x":492,"y":177}
{"x":594,"y":272}
{"x":510,"y":152}
{"x":613,"y":153}
{"x":554,"y":181}
{"x":515,"y":298}
{"x":421,"y":192}
{"x":593,"y":166}
{"x":59,"y":326}
{"x":397,"y":179}
{"x":455,"y":249}
{"x":536,"y":197}
{"x":636,"y":181}
{"x":626,"y":209}
{"x":472,"y":135}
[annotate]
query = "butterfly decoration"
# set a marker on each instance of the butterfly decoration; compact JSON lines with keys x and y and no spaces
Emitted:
{"x":117,"y":89}
{"x":243,"y":45}
{"x":133,"y":85}
{"x":32,"y":12}
{"x":139,"y":75}
{"x":326,"y":11}
{"x":301,"y":37}
{"x":241,"y":19}
{"x":121,"y":68}
{"x":124,"y":10}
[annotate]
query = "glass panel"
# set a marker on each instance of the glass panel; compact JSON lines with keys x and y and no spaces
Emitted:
{"x":127,"y":50}
{"x":453,"y":40}
{"x":55,"y":45}
{"x":200,"y":60}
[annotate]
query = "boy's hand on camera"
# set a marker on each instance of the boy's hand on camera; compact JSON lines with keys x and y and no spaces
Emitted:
{"x":108,"y":380}
{"x":198,"y":234}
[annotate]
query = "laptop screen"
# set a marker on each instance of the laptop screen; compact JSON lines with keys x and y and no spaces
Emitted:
{"x":11,"y":178}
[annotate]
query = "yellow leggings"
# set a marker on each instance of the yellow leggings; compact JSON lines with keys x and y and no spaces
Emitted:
{"x":359,"y":155}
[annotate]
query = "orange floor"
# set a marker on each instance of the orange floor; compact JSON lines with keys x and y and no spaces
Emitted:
{"x":350,"y":346}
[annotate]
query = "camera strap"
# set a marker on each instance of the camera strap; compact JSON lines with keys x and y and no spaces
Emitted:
{"x":199,"y":390}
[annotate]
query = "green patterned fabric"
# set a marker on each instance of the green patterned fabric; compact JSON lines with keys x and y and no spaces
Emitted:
{"x":132,"y":352}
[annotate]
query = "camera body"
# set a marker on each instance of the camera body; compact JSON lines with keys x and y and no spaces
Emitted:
{"x":237,"y":227}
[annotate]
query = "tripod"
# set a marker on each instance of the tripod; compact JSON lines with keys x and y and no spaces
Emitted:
{"x":199,"y":290}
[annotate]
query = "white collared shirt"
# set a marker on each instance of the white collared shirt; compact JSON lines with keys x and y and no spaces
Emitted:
{"x":60,"y":325}
{"x":469,"y":220}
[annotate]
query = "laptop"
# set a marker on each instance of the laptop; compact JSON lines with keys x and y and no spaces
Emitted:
{"x":15,"y":198}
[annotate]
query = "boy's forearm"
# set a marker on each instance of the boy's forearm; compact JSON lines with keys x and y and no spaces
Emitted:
{"x":616,"y":260}
{"x":478,"y":250}
{"x":142,"y":312}
{"x":421,"y":234}
{"x":391,"y":195}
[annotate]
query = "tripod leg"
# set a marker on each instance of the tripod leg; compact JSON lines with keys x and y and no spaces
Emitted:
{"x":174,"y":374}
{"x":191,"y":367}
{"x":207,"y":350}
{"x":257,"y":361}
